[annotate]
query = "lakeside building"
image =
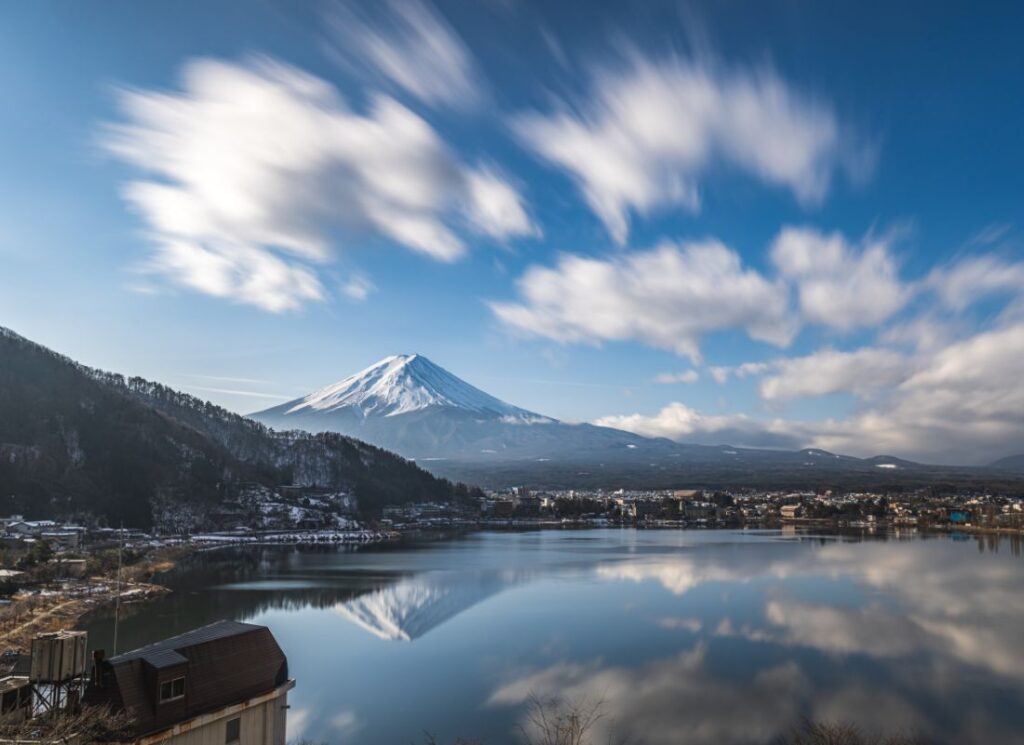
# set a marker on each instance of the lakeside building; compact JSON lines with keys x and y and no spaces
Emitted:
{"x":223,"y":684}
{"x":791,"y":511}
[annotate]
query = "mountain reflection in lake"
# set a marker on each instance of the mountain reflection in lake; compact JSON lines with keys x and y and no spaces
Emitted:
{"x":688,"y":637}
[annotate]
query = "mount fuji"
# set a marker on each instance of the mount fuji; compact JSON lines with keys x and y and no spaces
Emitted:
{"x":410,"y":405}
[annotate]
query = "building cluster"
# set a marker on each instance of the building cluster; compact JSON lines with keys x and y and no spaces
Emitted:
{"x":698,"y":508}
{"x":256,"y":507}
{"x":15,"y":530}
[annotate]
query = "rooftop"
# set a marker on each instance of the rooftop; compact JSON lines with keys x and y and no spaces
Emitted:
{"x":160,"y":653}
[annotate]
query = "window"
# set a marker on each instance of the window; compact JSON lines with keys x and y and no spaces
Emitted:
{"x":172,"y":689}
{"x":233,"y":731}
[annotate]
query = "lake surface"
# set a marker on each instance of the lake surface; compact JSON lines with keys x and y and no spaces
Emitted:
{"x":686,"y":636}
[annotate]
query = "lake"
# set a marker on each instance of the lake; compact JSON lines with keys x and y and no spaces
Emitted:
{"x":681,"y":636}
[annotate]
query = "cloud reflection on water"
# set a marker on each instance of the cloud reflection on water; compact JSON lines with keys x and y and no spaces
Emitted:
{"x":920,"y":633}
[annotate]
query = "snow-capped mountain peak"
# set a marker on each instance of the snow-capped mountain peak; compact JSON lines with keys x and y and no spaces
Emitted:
{"x":401,"y":384}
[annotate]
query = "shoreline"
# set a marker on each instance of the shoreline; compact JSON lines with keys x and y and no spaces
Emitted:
{"x":62,"y":604}
{"x":53,"y":608}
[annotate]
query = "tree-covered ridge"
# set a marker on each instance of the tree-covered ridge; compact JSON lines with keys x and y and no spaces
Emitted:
{"x":75,"y":440}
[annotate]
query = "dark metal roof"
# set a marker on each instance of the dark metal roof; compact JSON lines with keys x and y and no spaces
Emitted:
{"x":165,"y":658}
{"x":212,"y":632}
{"x":224,"y":663}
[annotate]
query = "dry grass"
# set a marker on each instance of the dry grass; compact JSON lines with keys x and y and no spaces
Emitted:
{"x":33,"y":614}
{"x":91,"y":724}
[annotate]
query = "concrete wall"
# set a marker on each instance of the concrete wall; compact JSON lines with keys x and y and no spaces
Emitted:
{"x":263,"y":723}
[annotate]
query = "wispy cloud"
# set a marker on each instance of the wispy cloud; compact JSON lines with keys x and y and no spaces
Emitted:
{"x":246,"y":169}
{"x":408,"y":44}
{"x":358,"y":287}
{"x":240,"y":392}
{"x":667,"y":297}
{"x":229,"y":379}
{"x":689,"y":376}
{"x":645,"y":134}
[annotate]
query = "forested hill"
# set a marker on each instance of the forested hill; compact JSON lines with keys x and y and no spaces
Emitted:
{"x":78,"y":441}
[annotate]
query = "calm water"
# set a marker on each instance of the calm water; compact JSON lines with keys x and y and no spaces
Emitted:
{"x":688,"y":637}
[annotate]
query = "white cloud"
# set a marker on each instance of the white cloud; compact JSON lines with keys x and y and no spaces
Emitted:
{"x":687,"y":377}
{"x":346,"y":725}
{"x":667,"y":297}
{"x":298,"y":721}
{"x":250,"y":163}
{"x":358,"y":287}
{"x":720,"y":373}
{"x":839,"y":284}
{"x":685,"y":623}
{"x":969,"y":280}
{"x":235,"y":271}
{"x":925,"y":333}
{"x":747,"y":369}
{"x":960,"y":404}
{"x":495,"y":207}
{"x":240,"y":392}
{"x":677,"y":421}
{"x":992,"y":233}
{"x":648,"y":132}
{"x":964,"y":404}
{"x":861,"y":372}
{"x":410,"y":45}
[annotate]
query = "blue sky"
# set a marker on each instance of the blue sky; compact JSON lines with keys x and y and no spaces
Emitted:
{"x":804,"y":217}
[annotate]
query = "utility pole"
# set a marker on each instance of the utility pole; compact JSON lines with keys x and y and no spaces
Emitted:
{"x":117,"y":599}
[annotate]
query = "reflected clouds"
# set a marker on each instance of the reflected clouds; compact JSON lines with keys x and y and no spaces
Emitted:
{"x":670,"y":701}
{"x":972,"y":610}
{"x":908,"y":631}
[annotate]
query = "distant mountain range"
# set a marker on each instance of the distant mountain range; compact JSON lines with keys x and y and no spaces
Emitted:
{"x":410,"y":405}
{"x":1012,"y":463}
{"x":74,"y":440}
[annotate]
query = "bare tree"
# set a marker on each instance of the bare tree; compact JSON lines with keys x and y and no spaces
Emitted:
{"x":554,"y":721}
{"x":843,"y":733}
